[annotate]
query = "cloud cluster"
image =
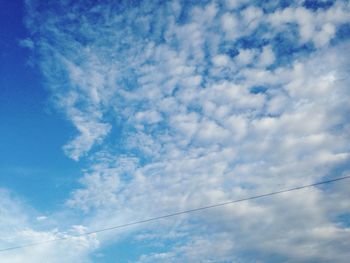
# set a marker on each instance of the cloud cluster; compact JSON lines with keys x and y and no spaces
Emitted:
{"x":180,"y":105}
{"x":18,"y":228}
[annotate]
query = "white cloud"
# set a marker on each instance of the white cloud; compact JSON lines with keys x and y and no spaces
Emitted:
{"x":229,"y":24}
{"x":267,"y":57}
{"x":252,"y":16}
{"x":233,"y":4}
{"x":221,"y":60}
{"x":193,"y":134}
{"x":316,"y":27}
{"x":18,"y":228}
{"x":90,"y":133}
{"x":245,"y":56}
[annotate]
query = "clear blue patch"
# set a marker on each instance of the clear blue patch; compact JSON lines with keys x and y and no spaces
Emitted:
{"x":130,"y":250}
{"x":125,"y":251}
{"x":256,"y":39}
{"x":258,"y":89}
{"x":252,"y":41}
{"x":285,"y":3}
{"x":343,"y":33}
{"x":287,"y":49}
{"x":271,"y":5}
{"x":31,"y":158}
{"x":316,"y":4}
{"x":232,"y":52}
{"x":228,"y":49}
{"x":343,"y":220}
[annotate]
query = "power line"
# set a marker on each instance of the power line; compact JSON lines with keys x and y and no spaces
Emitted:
{"x":177,"y":213}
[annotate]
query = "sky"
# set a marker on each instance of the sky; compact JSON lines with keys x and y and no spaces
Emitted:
{"x":118,"y":111}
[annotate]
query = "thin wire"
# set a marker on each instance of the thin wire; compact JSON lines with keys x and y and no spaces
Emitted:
{"x":177,"y":213}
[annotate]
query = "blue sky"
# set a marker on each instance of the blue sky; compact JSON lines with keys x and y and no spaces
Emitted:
{"x":114,"y":111}
{"x":31,"y":131}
